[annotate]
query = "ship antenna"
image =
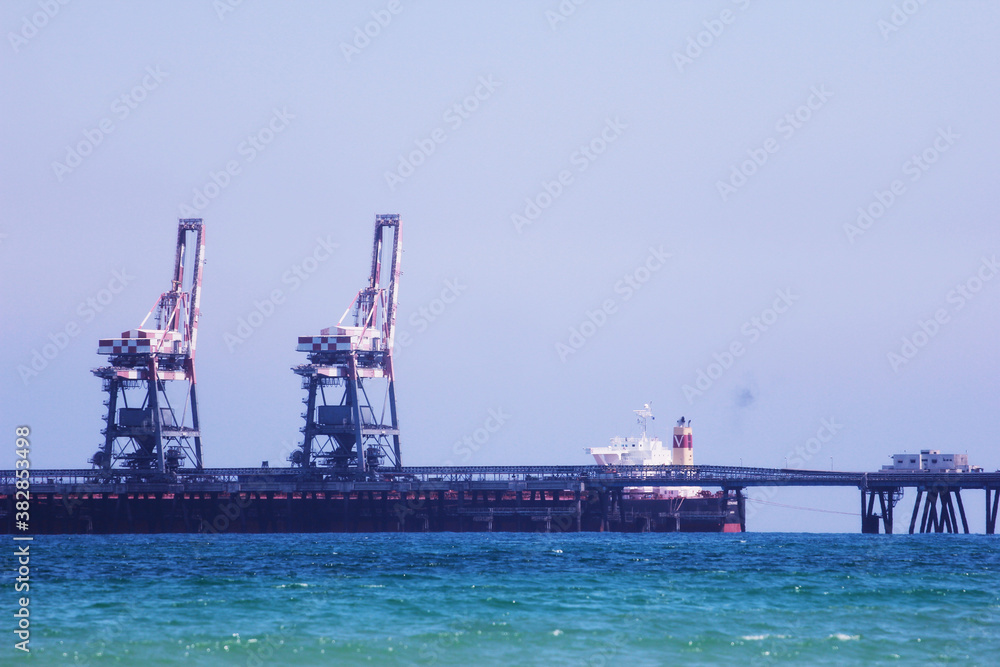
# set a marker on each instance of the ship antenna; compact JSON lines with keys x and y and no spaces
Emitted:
{"x":646,"y":412}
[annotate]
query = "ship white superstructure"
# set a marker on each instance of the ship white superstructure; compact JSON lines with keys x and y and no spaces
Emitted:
{"x":643,"y":450}
{"x":650,"y":450}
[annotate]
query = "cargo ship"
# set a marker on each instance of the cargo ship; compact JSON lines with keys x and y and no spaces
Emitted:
{"x":690,"y":508}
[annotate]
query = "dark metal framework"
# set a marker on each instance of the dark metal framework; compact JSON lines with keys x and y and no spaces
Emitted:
{"x":736,"y":497}
{"x":991,"y":509}
{"x":944,"y":520}
{"x":351,"y":424}
{"x":870,"y":514}
{"x":147,"y":427}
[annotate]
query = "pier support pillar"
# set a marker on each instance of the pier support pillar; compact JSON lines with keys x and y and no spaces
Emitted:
{"x":384,"y":510}
{"x":605,"y":507}
{"x":579,"y":508}
{"x":741,"y":508}
{"x":991,"y":510}
{"x":885,"y":502}
{"x":128,"y":512}
{"x":730,"y":495}
{"x":872,"y":516}
{"x":869,"y":524}
{"x":943,"y":520}
{"x":916,"y":510}
{"x":961,"y":512}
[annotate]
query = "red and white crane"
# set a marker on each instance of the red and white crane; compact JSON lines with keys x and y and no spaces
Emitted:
{"x":350,"y":427}
{"x":152,"y":418}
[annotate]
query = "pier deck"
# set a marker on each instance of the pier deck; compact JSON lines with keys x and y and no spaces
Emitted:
{"x":459,"y":498}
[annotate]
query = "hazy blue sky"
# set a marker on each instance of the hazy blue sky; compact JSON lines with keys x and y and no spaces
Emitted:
{"x":715,"y":154}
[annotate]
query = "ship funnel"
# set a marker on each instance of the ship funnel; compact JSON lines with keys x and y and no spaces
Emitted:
{"x":683,"y":453}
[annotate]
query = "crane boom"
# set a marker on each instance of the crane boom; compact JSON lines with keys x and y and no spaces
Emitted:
{"x":351,"y":435}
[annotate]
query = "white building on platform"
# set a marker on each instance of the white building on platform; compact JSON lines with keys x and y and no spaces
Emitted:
{"x":931,"y":460}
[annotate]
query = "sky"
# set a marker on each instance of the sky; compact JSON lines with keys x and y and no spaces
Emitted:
{"x":776,"y":219}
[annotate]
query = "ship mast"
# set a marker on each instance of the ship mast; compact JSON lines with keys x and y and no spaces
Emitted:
{"x":643,"y":415}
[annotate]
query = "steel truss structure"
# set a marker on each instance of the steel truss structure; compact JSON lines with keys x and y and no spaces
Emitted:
{"x":152,"y":406}
{"x":351,"y":425}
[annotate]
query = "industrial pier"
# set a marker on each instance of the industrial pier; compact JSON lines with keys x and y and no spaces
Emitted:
{"x":482,"y":498}
{"x":148,"y":474}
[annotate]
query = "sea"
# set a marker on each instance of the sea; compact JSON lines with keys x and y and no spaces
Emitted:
{"x":513,"y":599}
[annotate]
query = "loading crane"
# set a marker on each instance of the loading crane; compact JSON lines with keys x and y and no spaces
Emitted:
{"x":346,"y":431}
{"x":152,"y":406}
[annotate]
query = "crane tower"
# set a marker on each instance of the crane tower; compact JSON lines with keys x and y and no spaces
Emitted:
{"x":349,"y":378}
{"x":152,"y":418}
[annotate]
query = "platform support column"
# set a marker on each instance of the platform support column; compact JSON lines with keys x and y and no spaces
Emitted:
{"x":943,"y":519}
{"x":869,"y":521}
{"x":579,"y":507}
{"x":605,"y":507}
{"x":947,"y":513}
{"x":741,"y":508}
{"x":961,"y":511}
{"x":885,"y":502}
{"x":929,"y":515}
{"x":991,"y":510}
{"x":916,"y":509}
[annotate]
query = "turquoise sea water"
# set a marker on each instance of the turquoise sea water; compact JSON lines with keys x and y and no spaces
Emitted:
{"x":465,"y":599}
